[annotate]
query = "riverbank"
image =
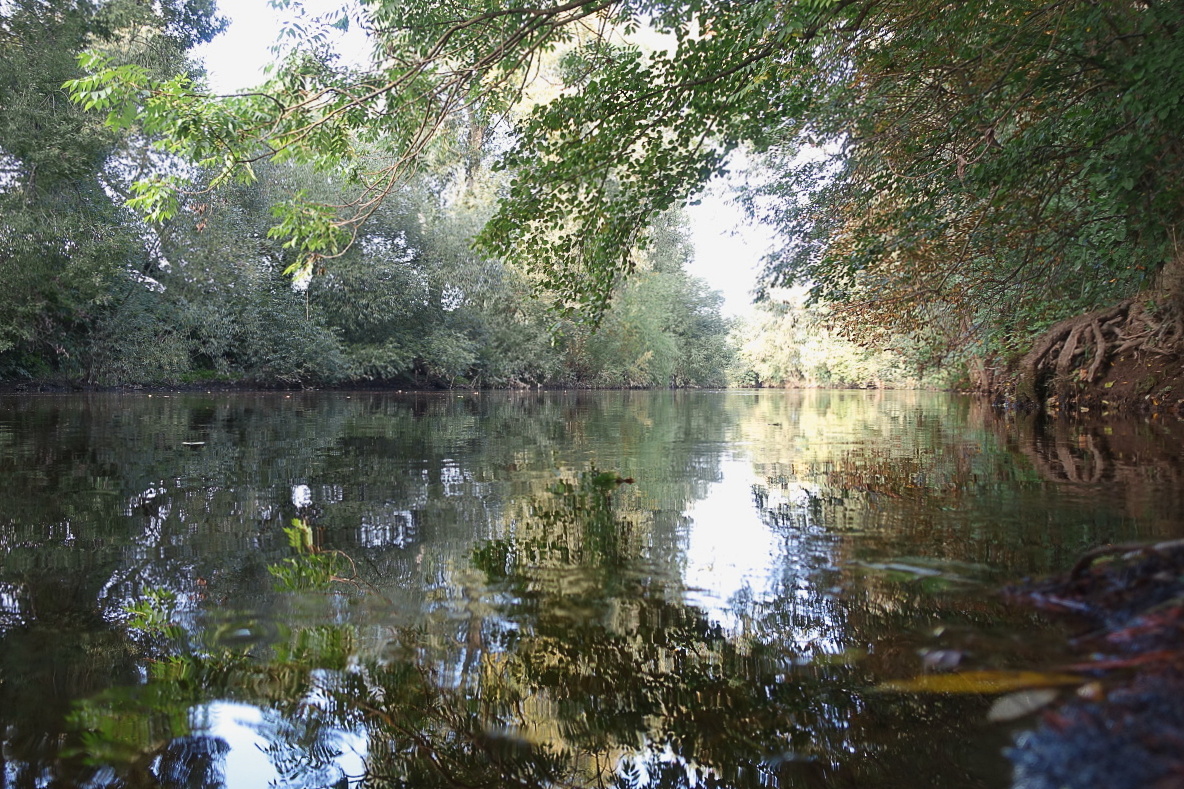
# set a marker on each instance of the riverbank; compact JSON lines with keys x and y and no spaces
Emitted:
{"x":1125,"y":726}
{"x":1126,"y":358}
{"x":1137,"y":382}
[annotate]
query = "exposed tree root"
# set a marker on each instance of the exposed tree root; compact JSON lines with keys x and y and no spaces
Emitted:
{"x":1076,"y":352}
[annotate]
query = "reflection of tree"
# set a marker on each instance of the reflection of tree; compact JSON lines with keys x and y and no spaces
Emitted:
{"x":1082,"y":461}
{"x":560,"y":649}
{"x":1137,"y":461}
{"x":856,"y":626}
{"x":191,"y":761}
{"x":589,"y":666}
{"x":585,"y":669}
{"x":46,"y":664}
{"x":951,"y":479}
{"x":589,"y":672}
{"x":610,"y":660}
{"x":120,"y":494}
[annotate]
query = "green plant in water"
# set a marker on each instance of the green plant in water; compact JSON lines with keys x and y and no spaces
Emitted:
{"x":153,"y":613}
{"x":311,"y":568}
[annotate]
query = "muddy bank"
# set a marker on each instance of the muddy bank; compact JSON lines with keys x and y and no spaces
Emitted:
{"x":1126,"y":358}
{"x":1125,"y":726}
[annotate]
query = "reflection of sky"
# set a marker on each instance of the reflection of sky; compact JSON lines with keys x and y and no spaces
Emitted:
{"x":11,"y":613}
{"x":730,"y":552}
{"x":251,"y":733}
{"x":738,"y":567}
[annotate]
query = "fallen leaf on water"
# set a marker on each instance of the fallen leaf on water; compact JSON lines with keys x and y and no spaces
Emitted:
{"x":1016,"y":705}
{"x":984,"y":682}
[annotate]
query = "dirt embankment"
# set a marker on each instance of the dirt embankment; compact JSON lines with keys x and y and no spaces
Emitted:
{"x":1128,"y":357}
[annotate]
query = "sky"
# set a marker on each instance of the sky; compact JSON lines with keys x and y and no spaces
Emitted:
{"x":727,"y":249}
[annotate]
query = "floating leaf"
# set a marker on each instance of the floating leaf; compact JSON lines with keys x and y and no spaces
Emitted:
{"x":1023,"y":702}
{"x":941,"y":658}
{"x":984,"y":682}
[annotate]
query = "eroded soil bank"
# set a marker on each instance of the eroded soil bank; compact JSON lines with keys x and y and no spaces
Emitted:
{"x":1147,"y":382}
{"x":1126,"y":358}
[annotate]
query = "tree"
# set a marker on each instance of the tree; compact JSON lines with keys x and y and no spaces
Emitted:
{"x":663,"y":327}
{"x":997,"y":166}
{"x":70,"y":255}
{"x":994,"y":166}
{"x":787,"y":342}
{"x":630,"y":136}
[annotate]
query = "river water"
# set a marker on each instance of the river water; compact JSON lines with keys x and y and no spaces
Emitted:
{"x":662,"y":589}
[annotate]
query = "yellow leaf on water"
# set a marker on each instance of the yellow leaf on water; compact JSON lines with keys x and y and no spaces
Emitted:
{"x":983,"y":682}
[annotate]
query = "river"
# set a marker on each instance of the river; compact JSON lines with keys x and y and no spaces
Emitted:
{"x":586,"y":589}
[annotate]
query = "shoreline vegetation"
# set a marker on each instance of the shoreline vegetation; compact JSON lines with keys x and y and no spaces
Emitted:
{"x":1144,"y":380}
{"x":1015,"y":237}
{"x":1133,"y":385}
{"x":1131,"y":382}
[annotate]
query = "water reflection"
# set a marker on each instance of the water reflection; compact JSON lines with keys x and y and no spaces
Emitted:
{"x":437,"y":590}
{"x":1140,"y":460}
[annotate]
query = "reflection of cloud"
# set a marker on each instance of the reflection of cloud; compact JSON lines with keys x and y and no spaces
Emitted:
{"x":458,"y":481}
{"x":740,"y":562}
{"x":301,"y":496}
{"x":145,"y":499}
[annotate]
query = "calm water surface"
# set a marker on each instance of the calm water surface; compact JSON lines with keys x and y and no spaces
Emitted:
{"x":331,"y":590}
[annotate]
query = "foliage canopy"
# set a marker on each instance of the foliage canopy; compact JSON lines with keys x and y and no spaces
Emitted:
{"x":97,"y":295}
{"x":1016,"y":158}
